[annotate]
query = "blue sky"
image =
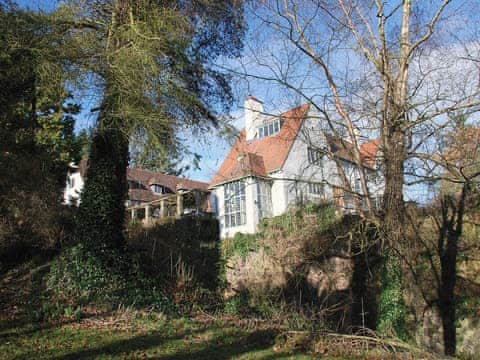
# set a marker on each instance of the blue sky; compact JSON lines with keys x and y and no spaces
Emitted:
{"x":212,"y":148}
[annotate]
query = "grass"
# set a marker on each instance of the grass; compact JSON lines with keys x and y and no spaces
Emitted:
{"x":130,"y":334}
{"x":141,"y":338}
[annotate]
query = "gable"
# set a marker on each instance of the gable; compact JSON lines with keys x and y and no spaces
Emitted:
{"x":260,"y":157}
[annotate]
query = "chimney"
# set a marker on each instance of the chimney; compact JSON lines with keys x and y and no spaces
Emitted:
{"x":253,"y":116}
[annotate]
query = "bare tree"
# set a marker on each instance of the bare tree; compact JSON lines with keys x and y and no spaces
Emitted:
{"x":457,"y":170}
{"x":391,"y":68}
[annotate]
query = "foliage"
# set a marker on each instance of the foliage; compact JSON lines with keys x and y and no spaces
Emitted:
{"x":184,"y":253}
{"x":294,"y":221}
{"x":153,"y":61}
{"x":100,"y":219}
{"x":391,"y":306}
{"x":37,"y":140}
{"x":300,"y":267}
{"x":80,"y":278}
{"x":238,"y":305}
{"x":180,"y":250}
{"x":240,"y":244}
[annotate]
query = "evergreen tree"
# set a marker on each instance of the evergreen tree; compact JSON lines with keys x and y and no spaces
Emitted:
{"x":36,"y":136}
{"x":153,"y":62}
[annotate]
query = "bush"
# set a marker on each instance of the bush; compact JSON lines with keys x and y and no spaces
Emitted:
{"x":32,"y":220}
{"x":79,"y":278}
{"x":240,"y":244}
{"x":304,"y":261}
{"x":181,"y":251}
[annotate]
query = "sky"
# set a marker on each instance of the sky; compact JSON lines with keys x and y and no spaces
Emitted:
{"x":262,"y":53}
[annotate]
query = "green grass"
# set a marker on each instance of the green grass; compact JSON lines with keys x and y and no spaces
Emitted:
{"x":159,"y":339}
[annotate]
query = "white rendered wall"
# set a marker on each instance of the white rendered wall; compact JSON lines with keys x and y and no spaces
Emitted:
{"x":297,"y":171}
{"x":279,"y":194}
{"x":253,"y":117}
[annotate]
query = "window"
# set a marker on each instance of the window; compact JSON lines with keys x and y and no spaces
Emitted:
{"x":358,"y":186}
{"x":269,"y":129}
{"x":157,"y":189}
{"x":134,"y":184}
{"x":315,"y":156}
{"x":315,"y":188}
{"x":348,"y":202}
{"x":264,"y":199}
{"x":235,"y":214}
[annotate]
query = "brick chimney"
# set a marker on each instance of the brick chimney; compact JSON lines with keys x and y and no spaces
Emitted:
{"x":253,"y":116}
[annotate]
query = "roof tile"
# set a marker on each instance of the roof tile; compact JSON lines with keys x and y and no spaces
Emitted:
{"x":261,"y":156}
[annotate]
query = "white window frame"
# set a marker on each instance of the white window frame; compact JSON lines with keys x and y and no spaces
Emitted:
{"x":264,"y":199}
{"x":269,"y":129}
{"x":235,"y":204}
{"x":156,"y":187}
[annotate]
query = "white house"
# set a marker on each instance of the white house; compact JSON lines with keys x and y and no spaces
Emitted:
{"x":144,"y":186}
{"x":279,"y":161}
{"x":75,"y":183}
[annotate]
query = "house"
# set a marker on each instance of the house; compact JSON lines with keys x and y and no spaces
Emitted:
{"x":280,"y":161}
{"x":144,"y":186}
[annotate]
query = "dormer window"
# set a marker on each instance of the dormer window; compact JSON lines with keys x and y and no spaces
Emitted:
{"x":134,"y":184}
{"x":158,"y":189}
{"x":269,"y":129}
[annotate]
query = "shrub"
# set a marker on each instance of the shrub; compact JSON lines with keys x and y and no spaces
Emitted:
{"x":240,"y":244}
{"x":181,"y":251}
{"x":79,"y":278}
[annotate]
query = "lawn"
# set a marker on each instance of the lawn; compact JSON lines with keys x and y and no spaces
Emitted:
{"x":138,"y":339}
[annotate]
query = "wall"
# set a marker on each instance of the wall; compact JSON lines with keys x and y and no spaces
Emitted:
{"x":251,"y":210}
{"x":297,"y":171}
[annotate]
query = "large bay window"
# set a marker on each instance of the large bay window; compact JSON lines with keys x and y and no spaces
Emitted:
{"x":235,"y":213}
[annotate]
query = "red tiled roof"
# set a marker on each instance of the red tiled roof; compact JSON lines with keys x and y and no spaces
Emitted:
{"x":261,"y":156}
{"x":142,"y":195}
{"x":369,"y":150}
{"x":147,"y":178}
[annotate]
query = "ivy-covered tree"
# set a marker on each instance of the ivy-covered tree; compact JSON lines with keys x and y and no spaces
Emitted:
{"x":153,"y":62}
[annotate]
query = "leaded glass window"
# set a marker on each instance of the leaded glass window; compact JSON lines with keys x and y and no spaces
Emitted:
{"x":235,"y":212}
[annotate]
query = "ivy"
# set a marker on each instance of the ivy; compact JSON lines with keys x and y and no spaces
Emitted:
{"x":391,"y":305}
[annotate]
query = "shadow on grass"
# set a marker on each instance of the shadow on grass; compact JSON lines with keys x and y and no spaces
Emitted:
{"x":220,"y":347}
{"x":256,"y":341}
{"x":22,"y":327}
{"x":129,"y":347}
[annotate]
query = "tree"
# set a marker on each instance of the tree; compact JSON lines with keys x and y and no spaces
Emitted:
{"x":382,"y":67}
{"x":459,"y":195}
{"x":37,"y":140}
{"x":152,"y":61}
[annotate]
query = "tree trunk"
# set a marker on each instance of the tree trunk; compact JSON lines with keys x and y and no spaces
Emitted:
{"x":100,"y":222}
{"x":447,"y":295}
{"x":448,"y":261}
{"x":101,"y":216}
{"x":391,"y":305}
